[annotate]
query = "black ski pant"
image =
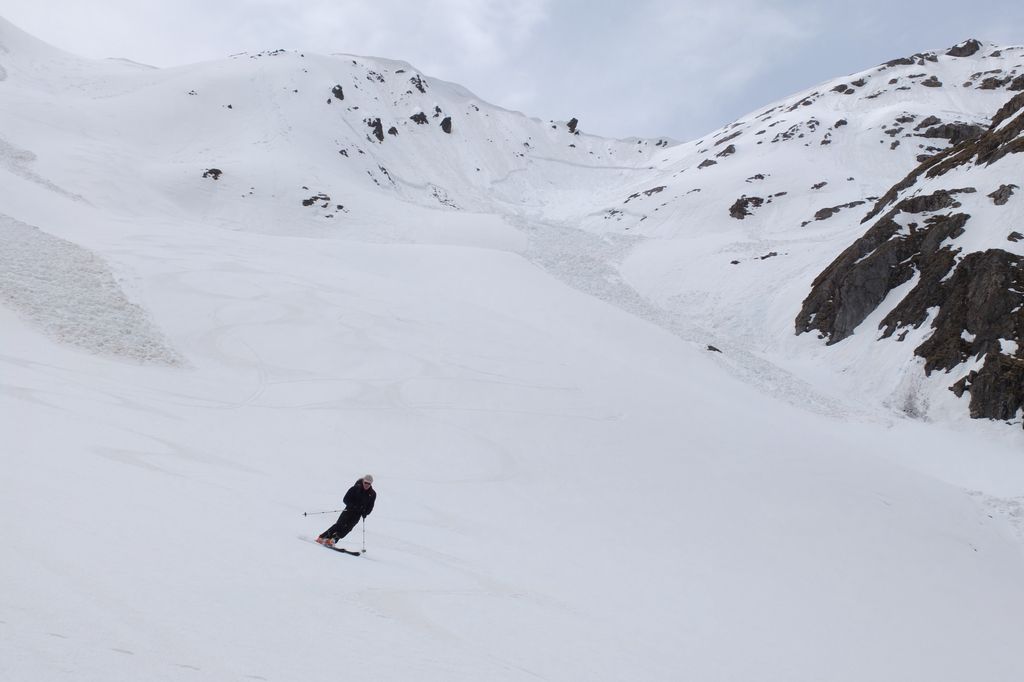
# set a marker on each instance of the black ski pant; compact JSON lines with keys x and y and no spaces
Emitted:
{"x":344,"y":525}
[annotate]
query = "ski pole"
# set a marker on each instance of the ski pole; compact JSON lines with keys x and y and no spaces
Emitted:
{"x":364,"y":535}
{"x":330,"y":511}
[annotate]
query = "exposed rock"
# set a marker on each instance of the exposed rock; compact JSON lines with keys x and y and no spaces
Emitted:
{"x":418,"y":83}
{"x":728,"y":137}
{"x":646,"y":192}
{"x":932,"y":82}
{"x":731,"y":149}
{"x":974,"y":300}
{"x":573,"y":122}
{"x":826,"y":213}
{"x":1003,"y":194}
{"x":999,"y":141}
{"x":706,"y":163}
{"x":741,"y":207}
{"x":849,"y":289}
{"x":321,"y":197}
{"x":902,"y":61}
{"x":997,"y":390}
{"x":392,"y":130}
{"x":338,"y":92}
{"x":446,"y":124}
{"x":378,"y":128}
{"x":981,"y":298}
{"x":993,"y":83}
{"x":214,"y":173}
{"x":420,"y":118}
{"x":964,"y":49}
{"x":713,"y":349}
{"x":954,"y":132}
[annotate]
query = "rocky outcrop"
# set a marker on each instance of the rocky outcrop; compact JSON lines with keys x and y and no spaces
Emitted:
{"x":338,"y":92}
{"x":954,"y":132}
{"x":860,"y":278}
{"x":378,"y":128}
{"x":741,"y":208}
{"x":573,"y":122}
{"x":995,"y":389}
{"x":828,"y":212}
{"x":446,"y":124}
{"x":974,"y":301}
{"x":964,"y":49}
{"x":1003,"y":194}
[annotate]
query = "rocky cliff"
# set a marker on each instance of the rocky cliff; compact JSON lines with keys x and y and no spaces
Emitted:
{"x":952,"y":230}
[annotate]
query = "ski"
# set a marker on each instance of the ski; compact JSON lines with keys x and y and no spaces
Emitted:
{"x":353,"y":552}
{"x":344,"y":551}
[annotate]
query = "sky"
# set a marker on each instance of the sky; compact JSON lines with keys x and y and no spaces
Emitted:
{"x":649,"y":68}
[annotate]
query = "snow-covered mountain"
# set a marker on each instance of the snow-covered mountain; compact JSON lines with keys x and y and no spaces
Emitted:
{"x":229,"y":289}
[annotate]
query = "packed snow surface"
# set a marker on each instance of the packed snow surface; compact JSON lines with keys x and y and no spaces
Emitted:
{"x":571,"y":484}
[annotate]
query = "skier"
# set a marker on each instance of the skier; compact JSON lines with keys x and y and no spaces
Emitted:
{"x":358,"y":504}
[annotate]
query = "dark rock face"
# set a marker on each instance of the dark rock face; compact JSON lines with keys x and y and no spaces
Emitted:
{"x":446,"y":124}
{"x":214,"y":173}
{"x":975,"y":300}
{"x":338,"y":92}
{"x":420,"y":118}
{"x":826,"y":213}
{"x":884,"y":258}
{"x":996,"y":389}
{"x":378,"y":128}
{"x":979,"y":298}
{"x":964,"y":49}
{"x":1003,"y":194}
{"x":418,"y":83}
{"x":573,"y":122}
{"x":321,"y":198}
{"x":954,"y":132}
{"x":741,"y":208}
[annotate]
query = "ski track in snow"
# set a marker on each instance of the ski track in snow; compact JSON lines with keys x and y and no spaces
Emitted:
{"x":16,"y":161}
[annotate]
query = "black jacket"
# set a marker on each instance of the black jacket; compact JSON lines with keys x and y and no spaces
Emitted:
{"x":360,"y":500}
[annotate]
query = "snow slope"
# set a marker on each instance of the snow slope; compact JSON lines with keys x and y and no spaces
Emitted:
{"x":571,"y":485}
